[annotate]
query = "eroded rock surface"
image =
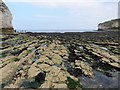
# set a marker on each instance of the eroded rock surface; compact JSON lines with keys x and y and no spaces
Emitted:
{"x":69,"y":61}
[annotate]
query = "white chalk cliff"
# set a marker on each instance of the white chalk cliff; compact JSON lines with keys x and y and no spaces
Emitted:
{"x":110,"y":25}
{"x":5,"y":18}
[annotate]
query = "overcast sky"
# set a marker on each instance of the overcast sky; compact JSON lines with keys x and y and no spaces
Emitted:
{"x":61,"y":15}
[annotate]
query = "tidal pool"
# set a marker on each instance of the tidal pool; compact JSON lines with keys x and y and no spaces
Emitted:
{"x":100,"y":80}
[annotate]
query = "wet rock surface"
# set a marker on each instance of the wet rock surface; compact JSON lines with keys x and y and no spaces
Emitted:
{"x":68,"y":60}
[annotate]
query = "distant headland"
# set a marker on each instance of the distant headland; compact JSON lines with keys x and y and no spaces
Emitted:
{"x":110,"y":25}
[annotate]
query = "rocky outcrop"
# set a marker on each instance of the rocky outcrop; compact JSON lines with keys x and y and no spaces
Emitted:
{"x":108,"y":25}
{"x":5,"y":19}
{"x":59,"y":61}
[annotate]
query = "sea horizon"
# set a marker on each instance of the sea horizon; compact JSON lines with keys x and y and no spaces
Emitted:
{"x":56,"y":30}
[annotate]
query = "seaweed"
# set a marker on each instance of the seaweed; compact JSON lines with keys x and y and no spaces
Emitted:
{"x":72,"y":84}
{"x":16,"y":59}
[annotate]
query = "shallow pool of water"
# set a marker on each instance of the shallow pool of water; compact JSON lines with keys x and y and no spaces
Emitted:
{"x":100,"y":80}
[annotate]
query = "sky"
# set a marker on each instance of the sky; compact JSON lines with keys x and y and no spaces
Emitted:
{"x":61,"y":15}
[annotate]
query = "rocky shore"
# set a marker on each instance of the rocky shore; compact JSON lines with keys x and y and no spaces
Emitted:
{"x":55,"y":60}
{"x":58,"y":60}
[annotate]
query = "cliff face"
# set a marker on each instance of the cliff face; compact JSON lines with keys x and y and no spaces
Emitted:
{"x":5,"y":19}
{"x":113,"y":24}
